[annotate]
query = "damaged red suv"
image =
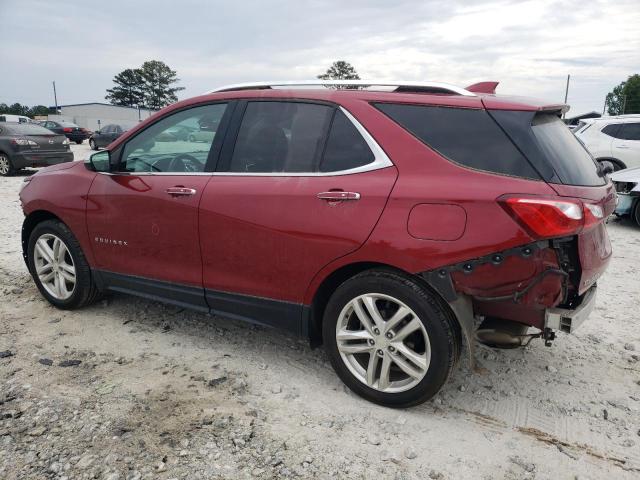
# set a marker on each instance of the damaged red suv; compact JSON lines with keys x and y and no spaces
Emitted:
{"x":392,"y":223}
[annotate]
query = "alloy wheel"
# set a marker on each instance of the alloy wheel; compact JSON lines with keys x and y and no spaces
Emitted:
{"x":4,"y":165}
{"x":54,"y":266}
{"x":383,"y":343}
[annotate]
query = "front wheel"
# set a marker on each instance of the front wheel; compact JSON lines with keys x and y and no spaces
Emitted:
{"x":636,"y":212}
{"x":390,"y":339}
{"x":58,"y":266}
{"x":92,"y":144}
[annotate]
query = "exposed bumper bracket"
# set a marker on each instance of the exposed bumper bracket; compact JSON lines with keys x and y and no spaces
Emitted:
{"x":566,"y":320}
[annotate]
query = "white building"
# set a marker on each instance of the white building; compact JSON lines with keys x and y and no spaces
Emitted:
{"x":93,"y":116}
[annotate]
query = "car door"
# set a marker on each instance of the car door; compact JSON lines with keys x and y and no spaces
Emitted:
{"x":101,"y":137}
{"x":143,"y":218}
{"x":301,"y":185}
{"x":626,"y":145}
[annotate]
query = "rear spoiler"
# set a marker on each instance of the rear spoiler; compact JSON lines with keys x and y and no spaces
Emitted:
{"x":483,"y":87}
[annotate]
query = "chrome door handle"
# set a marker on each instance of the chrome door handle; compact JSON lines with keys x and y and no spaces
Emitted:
{"x":180,"y":191}
{"x":338,"y":196}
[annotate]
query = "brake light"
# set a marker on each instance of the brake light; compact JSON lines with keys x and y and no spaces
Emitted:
{"x":552,"y":217}
{"x":67,"y":129}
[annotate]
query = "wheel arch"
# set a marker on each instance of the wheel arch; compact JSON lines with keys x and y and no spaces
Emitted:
{"x":29,"y":223}
{"x":315,"y":311}
{"x":613,"y":160}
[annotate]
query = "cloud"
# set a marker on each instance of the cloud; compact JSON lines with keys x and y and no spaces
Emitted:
{"x":529,"y":46}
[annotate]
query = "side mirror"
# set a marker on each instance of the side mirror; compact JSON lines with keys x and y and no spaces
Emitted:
{"x":99,"y":162}
{"x":606,"y":167}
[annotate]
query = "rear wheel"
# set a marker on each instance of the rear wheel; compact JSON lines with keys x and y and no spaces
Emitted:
{"x":6,"y":167}
{"x":58,"y":266}
{"x":389,"y":339}
{"x":636,"y":212}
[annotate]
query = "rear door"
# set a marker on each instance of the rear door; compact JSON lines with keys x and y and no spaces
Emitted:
{"x":302,"y":185}
{"x":626,"y":145}
{"x":143,"y":219}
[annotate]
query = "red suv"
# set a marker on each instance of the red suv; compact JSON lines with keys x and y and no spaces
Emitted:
{"x":392,"y":223}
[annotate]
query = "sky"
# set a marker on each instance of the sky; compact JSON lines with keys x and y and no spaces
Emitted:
{"x":529,"y":46}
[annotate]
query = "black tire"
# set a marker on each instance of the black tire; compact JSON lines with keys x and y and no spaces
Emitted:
{"x":6,"y":165}
{"x":432,"y":312}
{"x":85,"y":291}
{"x":636,"y":212}
{"x":92,"y":144}
{"x":79,"y":142}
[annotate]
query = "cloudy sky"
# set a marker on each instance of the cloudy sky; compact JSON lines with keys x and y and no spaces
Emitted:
{"x":528,"y":46}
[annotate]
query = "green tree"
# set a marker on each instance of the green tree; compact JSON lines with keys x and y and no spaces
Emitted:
{"x":625,"y":98}
{"x":340,"y":70}
{"x":38,"y":110}
{"x":128,"y":90}
{"x":158,"y":84}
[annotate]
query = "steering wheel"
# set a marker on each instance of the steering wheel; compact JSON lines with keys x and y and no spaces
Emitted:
{"x":185,"y":163}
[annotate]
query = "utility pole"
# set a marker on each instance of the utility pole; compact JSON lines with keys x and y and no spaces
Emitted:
{"x":55,"y":96}
{"x":566,"y":92}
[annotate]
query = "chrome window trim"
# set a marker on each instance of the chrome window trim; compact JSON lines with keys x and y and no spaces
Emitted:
{"x":380,"y":160}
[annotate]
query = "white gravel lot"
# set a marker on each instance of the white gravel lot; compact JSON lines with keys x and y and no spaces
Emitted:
{"x":165,"y":393}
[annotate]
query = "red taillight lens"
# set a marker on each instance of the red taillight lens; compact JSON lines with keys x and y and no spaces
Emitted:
{"x":67,"y":129}
{"x":546,"y":217}
{"x":552,"y":217}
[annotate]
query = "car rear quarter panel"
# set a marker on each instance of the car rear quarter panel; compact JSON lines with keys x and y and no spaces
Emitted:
{"x":425,"y":177}
{"x":62,"y":190}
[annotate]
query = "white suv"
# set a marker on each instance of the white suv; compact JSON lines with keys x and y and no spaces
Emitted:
{"x":616,"y":139}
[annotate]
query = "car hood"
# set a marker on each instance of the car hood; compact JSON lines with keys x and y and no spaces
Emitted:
{"x":59,"y":166}
{"x":626,"y":175}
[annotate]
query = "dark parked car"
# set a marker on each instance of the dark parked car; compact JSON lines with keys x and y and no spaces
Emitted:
{"x":72,"y":131}
{"x":382,"y":224}
{"x":106,"y":135}
{"x":29,"y":145}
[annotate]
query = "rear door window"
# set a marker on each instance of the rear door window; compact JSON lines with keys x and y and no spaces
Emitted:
{"x":345,"y":149}
{"x":611,"y":130}
{"x":468,"y":137}
{"x":281,"y":137}
{"x":629,"y":131}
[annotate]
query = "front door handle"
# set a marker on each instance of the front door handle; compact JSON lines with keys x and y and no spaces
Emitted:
{"x":180,"y":191}
{"x":338,"y":196}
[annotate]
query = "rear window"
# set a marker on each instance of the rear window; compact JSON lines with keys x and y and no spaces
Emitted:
{"x":611,"y":130}
{"x":465,"y":136}
{"x":27,"y":129}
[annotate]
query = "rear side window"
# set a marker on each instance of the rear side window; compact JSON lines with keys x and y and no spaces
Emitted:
{"x":629,"y":131}
{"x":281,"y":137}
{"x":468,"y":137}
{"x":611,"y":130}
{"x":345,"y":149}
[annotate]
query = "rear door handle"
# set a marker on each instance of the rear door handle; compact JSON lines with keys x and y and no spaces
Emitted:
{"x":180,"y":191}
{"x":338,"y":196}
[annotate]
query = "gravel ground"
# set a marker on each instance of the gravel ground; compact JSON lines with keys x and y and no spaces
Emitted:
{"x":132,"y":389}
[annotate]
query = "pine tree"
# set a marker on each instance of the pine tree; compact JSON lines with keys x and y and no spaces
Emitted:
{"x":158,"y":79}
{"x":128,"y":90}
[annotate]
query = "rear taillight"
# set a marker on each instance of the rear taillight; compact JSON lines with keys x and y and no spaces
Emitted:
{"x":23,"y":142}
{"x":547,"y":217}
{"x":67,"y":129}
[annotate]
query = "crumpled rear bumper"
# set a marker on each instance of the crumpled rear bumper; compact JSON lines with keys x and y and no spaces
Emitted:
{"x":566,"y":320}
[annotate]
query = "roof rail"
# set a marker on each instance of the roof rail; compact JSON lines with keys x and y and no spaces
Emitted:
{"x":409,"y":87}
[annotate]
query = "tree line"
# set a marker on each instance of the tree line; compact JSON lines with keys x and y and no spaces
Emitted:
{"x":18,"y":109}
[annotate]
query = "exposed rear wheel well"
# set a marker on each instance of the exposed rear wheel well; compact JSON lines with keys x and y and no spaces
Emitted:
{"x":618,"y":164}
{"x":30,"y":222}
{"x":335,"y":279}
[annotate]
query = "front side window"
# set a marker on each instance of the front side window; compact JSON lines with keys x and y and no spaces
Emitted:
{"x":159,"y":148}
